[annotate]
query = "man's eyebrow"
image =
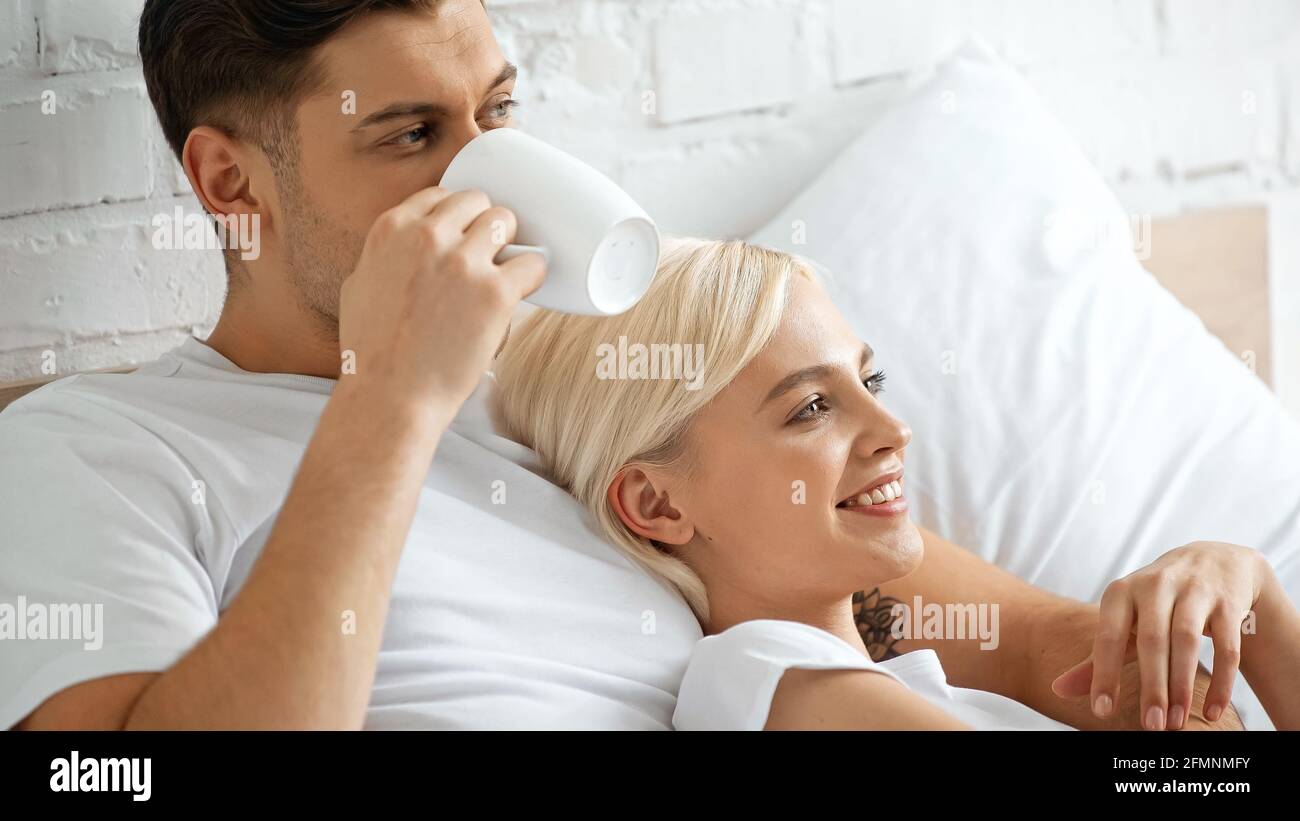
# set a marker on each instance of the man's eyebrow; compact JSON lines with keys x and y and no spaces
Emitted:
{"x":397,"y":110}
{"x":797,"y":378}
{"x":507,"y":72}
{"x":412,"y":109}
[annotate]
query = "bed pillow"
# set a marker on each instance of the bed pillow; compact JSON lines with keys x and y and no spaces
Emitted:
{"x":1072,"y":420}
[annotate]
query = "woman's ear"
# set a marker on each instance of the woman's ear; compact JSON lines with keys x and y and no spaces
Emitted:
{"x":647,"y":510}
{"x":222,"y":172}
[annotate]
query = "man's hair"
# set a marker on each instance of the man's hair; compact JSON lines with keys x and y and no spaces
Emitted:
{"x":241,"y":65}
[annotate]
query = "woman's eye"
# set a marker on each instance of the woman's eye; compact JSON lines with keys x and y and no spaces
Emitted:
{"x":817,"y":407}
{"x":813,"y":410}
{"x":412,"y":137}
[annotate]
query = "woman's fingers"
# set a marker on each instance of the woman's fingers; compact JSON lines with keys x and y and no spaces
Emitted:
{"x":1191,"y":614}
{"x":1155,"y":614}
{"x":1110,"y":646}
{"x":1167,"y":606}
{"x":1225,"y":630}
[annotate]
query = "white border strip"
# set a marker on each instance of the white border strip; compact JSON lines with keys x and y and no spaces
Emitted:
{"x":1284,"y":295}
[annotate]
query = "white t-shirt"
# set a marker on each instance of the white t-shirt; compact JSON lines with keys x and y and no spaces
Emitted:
{"x":148,"y":496}
{"x":732,"y":676}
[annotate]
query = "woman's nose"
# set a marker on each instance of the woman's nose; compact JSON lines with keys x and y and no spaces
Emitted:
{"x":883,"y":432}
{"x":902,"y":433}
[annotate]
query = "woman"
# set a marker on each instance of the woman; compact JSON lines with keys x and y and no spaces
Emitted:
{"x":742,"y":454}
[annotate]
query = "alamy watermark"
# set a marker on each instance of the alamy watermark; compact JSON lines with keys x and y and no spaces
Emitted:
{"x":951,"y":620}
{"x":77,"y":774}
{"x":201,"y":231}
{"x":658,"y":360}
{"x":1069,"y":228}
{"x":22,"y":620}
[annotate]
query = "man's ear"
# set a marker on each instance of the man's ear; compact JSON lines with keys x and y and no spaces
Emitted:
{"x":222,"y":171}
{"x":646,"y":509}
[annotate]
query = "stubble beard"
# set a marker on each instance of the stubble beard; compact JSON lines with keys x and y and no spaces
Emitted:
{"x":321,"y":254}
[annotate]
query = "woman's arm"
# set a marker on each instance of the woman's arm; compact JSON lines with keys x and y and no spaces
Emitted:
{"x":1270,"y":656}
{"x":851,"y":700}
{"x":1041,"y":635}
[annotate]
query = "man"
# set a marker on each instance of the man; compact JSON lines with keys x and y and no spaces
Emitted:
{"x":262,"y":517}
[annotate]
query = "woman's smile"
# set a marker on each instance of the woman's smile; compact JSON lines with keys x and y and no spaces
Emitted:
{"x":882,"y":497}
{"x":885,"y":499}
{"x":895,"y":508}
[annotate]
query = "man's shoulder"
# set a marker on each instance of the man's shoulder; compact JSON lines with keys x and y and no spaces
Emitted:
{"x":73,"y":425}
{"x":87,"y":429}
{"x":180,"y":395}
{"x":79,"y":402}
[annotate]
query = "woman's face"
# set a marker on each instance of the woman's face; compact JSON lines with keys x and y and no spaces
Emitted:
{"x":776,"y":456}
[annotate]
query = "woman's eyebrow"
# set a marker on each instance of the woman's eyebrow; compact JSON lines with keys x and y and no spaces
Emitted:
{"x":808,"y":374}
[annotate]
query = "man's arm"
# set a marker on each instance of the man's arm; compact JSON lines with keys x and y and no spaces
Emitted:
{"x":1063,"y":639}
{"x":278,"y":657}
{"x":1040,"y":636}
{"x":423,"y":313}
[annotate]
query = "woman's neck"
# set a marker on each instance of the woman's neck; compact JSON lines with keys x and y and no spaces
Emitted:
{"x":835,"y":617}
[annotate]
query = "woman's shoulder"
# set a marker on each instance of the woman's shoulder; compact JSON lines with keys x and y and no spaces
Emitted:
{"x":733,"y":674}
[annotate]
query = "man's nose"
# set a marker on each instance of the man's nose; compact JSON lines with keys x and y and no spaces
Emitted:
{"x":461,"y":134}
{"x":454,"y":141}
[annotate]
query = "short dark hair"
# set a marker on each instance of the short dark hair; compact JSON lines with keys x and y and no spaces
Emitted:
{"x":240,"y":65}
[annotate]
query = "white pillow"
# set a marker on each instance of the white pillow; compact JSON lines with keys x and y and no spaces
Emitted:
{"x":1072,"y":421}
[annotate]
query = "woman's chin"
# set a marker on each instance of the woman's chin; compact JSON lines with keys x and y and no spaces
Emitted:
{"x":894,"y":551}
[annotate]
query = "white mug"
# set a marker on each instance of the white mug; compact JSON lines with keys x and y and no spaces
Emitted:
{"x":601,"y":248}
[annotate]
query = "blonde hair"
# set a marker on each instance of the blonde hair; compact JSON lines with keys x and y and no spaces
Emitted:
{"x":727,"y":296}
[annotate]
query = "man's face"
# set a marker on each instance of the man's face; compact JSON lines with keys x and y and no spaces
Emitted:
{"x":404,"y":92}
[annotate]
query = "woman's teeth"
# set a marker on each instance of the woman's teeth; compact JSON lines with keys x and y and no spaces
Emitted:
{"x":887,"y":492}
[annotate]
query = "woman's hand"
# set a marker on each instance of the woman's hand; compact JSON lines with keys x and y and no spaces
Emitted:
{"x":1160,"y":612}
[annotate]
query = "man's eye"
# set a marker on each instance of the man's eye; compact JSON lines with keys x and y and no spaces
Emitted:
{"x":412,"y":137}
{"x":501,"y":110}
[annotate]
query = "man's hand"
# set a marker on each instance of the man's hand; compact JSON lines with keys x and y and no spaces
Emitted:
{"x":1063,"y":630}
{"x":1041,"y":636}
{"x":427,"y":306}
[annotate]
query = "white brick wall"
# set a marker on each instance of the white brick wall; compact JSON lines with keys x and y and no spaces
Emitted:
{"x":704,"y":63}
{"x":712,"y":113}
{"x":17,"y":35}
{"x":80,"y":35}
{"x":86,"y":150}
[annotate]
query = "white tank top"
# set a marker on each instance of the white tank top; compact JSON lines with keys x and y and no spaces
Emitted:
{"x":732,"y":676}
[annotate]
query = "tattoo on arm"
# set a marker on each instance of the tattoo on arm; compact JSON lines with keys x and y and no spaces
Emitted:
{"x":871,"y":612}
